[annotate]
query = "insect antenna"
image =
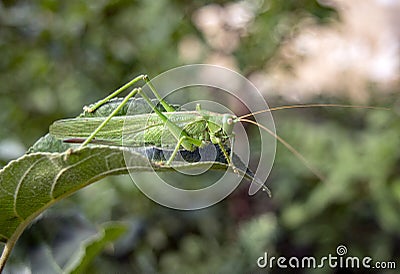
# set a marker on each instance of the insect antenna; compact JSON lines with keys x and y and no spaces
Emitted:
{"x":286,"y":144}
{"x":311,"y":106}
{"x":314,"y":170}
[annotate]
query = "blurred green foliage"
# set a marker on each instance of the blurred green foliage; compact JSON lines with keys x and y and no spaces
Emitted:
{"x":57,"y":56}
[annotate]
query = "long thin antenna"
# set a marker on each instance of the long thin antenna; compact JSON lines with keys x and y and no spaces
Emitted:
{"x":289,"y":147}
{"x":312,"y":105}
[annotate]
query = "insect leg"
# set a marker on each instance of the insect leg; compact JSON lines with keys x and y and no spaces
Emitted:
{"x":176,"y":131}
{"x":114,"y":94}
{"x":235,"y":170}
{"x":228,"y":157}
{"x":167,"y":106}
{"x":181,"y":140}
{"x":232,"y":144}
{"x":186,"y":139}
{"x":112,"y":114}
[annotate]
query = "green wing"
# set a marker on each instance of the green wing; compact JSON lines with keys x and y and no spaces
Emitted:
{"x":137,"y":130}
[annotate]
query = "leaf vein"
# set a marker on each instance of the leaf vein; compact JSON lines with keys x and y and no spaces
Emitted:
{"x":107,"y":159}
{"x":3,"y":190}
{"x":4,"y":236}
{"x":63,"y":170}
{"x":20,"y":182}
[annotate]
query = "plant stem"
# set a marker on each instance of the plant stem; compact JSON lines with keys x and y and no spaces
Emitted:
{"x":5,"y":255}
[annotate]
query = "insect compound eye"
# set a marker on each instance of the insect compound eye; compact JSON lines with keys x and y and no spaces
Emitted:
{"x":227,"y":123}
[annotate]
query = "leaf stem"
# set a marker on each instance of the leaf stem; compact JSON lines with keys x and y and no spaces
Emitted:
{"x":13,"y":240}
{"x":6,"y":254}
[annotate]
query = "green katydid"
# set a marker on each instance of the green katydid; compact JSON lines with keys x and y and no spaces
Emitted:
{"x":189,"y":129}
{"x":185,"y":129}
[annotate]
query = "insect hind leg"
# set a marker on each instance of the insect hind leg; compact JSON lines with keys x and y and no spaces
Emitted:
{"x":114,"y":94}
{"x":112,"y":114}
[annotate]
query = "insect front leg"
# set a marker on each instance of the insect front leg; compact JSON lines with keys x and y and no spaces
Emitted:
{"x":212,"y":129}
{"x":232,"y":144}
{"x":231,"y":154}
{"x":228,"y":158}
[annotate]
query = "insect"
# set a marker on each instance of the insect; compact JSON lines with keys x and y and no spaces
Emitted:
{"x":166,"y":126}
{"x":187,"y":129}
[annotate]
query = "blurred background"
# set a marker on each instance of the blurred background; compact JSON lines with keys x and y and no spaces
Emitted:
{"x":57,"y":56}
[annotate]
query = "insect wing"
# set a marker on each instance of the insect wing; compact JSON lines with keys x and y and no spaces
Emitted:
{"x":136,"y":130}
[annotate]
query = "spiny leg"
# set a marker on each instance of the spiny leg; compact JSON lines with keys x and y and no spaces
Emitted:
{"x":188,"y":140}
{"x":232,"y":144}
{"x":143,"y":77}
{"x":235,"y":170}
{"x":227,"y":157}
{"x":115,"y":93}
{"x":167,"y":106}
{"x":231,"y":154}
{"x":175,"y":130}
{"x":181,"y":140}
{"x":180,"y":134}
{"x":112,"y":114}
{"x":115,"y":111}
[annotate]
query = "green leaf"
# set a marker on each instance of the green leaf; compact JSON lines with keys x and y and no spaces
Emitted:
{"x":91,"y":247}
{"x":34,"y":182}
{"x":48,"y":143}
